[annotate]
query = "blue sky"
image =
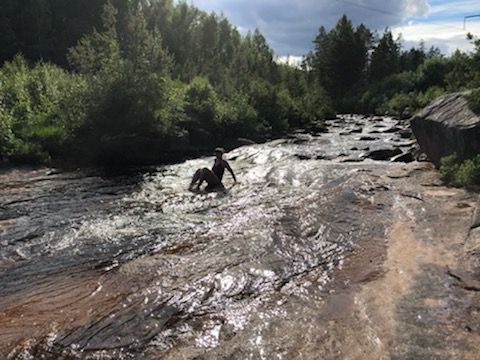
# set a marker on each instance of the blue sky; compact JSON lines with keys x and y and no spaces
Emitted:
{"x":290,"y":26}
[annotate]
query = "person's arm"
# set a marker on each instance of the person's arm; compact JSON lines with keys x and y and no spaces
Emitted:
{"x":231,"y":171}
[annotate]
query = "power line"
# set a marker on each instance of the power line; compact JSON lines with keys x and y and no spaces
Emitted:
{"x":396,"y":15}
{"x":369,"y":8}
{"x":465,"y":20}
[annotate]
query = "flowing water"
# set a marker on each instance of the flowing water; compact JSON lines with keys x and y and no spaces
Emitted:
{"x":136,"y":266}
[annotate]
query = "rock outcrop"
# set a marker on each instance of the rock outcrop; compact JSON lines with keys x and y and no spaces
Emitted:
{"x":447,"y":126}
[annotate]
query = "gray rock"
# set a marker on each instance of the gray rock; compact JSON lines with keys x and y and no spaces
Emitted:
{"x":404,"y":157}
{"x":447,"y":126}
{"x":406,"y":143}
{"x":351,"y":131}
{"x":391,"y":130}
{"x":406,"y":113}
{"x":352,"y":160}
{"x":422,"y":157}
{"x":331,"y":117}
{"x":318,"y":128}
{"x":368,"y":138}
{"x":383,"y":154}
{"x":303,"y":156}
{"x":405,"y":133}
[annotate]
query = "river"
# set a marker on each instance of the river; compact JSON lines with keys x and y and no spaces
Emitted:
{"x":317,"y":252}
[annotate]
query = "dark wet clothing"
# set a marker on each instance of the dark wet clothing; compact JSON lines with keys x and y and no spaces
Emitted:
{"x":212,"y":177}
{"x":219,"y":168}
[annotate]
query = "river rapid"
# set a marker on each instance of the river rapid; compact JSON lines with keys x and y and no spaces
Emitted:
{"x":291,"y":262}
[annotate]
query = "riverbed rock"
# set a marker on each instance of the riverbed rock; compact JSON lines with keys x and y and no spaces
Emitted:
{"x":405,"y":133}
{"x":357,"y":130}
{"x":367,"y":138}
{"x":317,"y":128}
{"x":391,"y":130}
{"x":331,"y":117}
{"x":447,"y":126}
{"x":406,"y":157}
{"x":383,"y":154}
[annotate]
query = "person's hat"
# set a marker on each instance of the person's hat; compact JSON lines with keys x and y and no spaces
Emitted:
{"x":219,"y":150}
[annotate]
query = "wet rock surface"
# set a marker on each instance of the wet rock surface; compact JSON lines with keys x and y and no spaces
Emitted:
{"x":318,"y":251}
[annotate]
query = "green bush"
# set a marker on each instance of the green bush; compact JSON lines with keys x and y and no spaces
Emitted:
{"x":313,"y":106}
{"x":239,"y":118}
{"x":390,"y":94}
{"x":128,"y":109}
{"x":429,"y":95}
{"x":400,"y":102}
{"x":433,"y":73}
{"x":202,"y":104}
{"x":273,"y":104}
{"x":465,"y":174}
{"x":474,"y":101}
{"x":40,"y":109}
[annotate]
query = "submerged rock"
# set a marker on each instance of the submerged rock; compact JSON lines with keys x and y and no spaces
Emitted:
{"x":383,"y":154}
{"x":391,"y":130}
{"x":447,"y":126}
{"x":404,"y":157}
{"x":368,"y":138}
{"x":405,"y":133}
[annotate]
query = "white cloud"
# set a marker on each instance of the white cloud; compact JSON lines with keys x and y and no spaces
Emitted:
{"x":458,"y":7}
{"x":448,"y":36}
{"x":416,"y":7}
{"x":295,"y":61}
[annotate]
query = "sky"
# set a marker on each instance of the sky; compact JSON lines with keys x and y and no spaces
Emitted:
{"x":290,"y":26}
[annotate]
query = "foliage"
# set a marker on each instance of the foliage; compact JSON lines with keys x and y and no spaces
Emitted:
{"x":465,"y":174}
{"x":385,"y":58}
{"x":474,"y":101}
{"x":340,"y":59}
{"x":40,"y":109}
{"x":137,"y":80}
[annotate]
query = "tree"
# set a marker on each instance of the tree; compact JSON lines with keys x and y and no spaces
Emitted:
{"x":94,"y":50}
{"x":412,"y":59}
{"x":340,"y":59}
{"x":385,"y":57}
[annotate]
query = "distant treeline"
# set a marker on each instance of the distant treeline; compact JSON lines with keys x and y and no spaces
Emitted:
{"x":136,"y":81}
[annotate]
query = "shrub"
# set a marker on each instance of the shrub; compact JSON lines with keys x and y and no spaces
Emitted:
{"x":313,"y":106}
{"x":474,"y":101}
{"x":239,"y":118}
{"x":202,"y":104}
{"x":40,"y":109}
{"x":128,"y":117}
{"x":429,"y":95}
{"x":433,"y":73}
{"x":465,"y":174}
{"x":273,"y":104}
{"x":400,"y":102}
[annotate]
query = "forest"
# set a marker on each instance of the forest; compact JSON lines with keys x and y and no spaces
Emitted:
{"x":133,"y":82}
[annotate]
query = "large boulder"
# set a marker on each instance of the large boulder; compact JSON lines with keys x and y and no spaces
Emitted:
{"x":447,"y":126}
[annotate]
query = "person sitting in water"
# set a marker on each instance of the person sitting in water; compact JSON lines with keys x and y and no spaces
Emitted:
{"x":212,"y":177}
